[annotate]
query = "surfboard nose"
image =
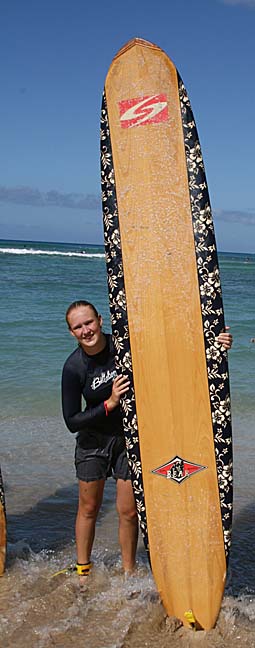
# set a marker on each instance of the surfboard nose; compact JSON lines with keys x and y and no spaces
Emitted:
{"x":136,"y":42}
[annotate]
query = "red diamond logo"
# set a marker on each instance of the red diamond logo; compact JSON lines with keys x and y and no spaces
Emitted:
{"x":178,"y":469}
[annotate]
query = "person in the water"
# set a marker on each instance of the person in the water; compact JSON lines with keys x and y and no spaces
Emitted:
{"x":100,"y":445}
{"x":90,"y":372}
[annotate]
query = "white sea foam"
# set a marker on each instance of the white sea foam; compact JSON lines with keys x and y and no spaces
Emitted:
{"x":22,"y":251}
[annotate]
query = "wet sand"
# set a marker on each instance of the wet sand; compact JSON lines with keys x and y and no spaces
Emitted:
{"x":39,"y":609}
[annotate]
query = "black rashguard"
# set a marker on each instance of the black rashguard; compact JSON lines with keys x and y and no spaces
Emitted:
{"x":91,"y":377}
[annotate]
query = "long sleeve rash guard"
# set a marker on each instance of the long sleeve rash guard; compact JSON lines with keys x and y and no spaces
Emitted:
{"x":90,"y":377}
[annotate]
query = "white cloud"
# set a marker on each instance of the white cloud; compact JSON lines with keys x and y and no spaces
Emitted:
{"x":232,"y":216}
{"x":242,"y":3}
{"x":34,"y":197}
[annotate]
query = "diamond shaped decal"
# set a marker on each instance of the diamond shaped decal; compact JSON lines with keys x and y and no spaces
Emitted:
{"x":178,"y":469}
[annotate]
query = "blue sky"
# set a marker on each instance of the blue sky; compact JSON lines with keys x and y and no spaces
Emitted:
{"x":54,"y":58}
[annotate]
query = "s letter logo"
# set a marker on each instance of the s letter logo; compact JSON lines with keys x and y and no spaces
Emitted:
{"x":145,"y":110}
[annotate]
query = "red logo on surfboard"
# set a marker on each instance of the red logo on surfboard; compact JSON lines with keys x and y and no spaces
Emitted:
{"x":178,"y":469}
{"x":143,"y":110}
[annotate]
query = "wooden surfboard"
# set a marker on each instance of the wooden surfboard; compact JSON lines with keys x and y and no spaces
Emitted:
{"x":166,"y":311}
{"x":2,"y":527}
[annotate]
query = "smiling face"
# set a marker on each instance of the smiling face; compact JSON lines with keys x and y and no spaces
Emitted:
{"x":85,"y":326}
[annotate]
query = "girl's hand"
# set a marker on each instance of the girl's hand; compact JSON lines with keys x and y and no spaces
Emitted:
{"x":225,"y":338}
{"x":120,"y":386}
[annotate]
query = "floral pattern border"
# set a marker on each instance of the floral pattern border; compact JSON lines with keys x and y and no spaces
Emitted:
{"x":2,"y":498}
{"x":119,"y":316}
{"x":211,"y":305}
{"x":212,"y":312}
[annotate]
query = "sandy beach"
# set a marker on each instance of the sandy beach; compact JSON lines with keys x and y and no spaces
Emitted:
{"x":42,"y":610}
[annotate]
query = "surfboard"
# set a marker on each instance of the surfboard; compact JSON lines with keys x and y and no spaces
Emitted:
{"x":2,"y":527}
{"x":166,"y":313}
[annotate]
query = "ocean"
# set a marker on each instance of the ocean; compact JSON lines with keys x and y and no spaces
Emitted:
{"x":38,"y":608}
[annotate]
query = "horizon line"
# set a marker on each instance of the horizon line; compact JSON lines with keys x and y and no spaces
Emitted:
{"x":98,"y":244}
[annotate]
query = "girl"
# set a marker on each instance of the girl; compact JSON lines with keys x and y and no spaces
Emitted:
{"x":100,"y":444}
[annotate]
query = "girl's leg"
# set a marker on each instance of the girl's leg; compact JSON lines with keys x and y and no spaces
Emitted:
{"x":128,"y":523}
{"x":90,"y":499}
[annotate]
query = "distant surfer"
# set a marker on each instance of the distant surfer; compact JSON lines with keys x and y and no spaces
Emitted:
{"x":100,"y":444}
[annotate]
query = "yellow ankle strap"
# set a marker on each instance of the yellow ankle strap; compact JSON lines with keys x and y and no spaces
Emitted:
{"x":83,"y":570}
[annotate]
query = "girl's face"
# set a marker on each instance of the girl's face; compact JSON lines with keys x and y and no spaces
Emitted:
{"x":85,"y":326}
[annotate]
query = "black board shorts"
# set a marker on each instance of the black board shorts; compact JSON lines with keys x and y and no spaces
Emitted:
{"x":101,"y":456}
